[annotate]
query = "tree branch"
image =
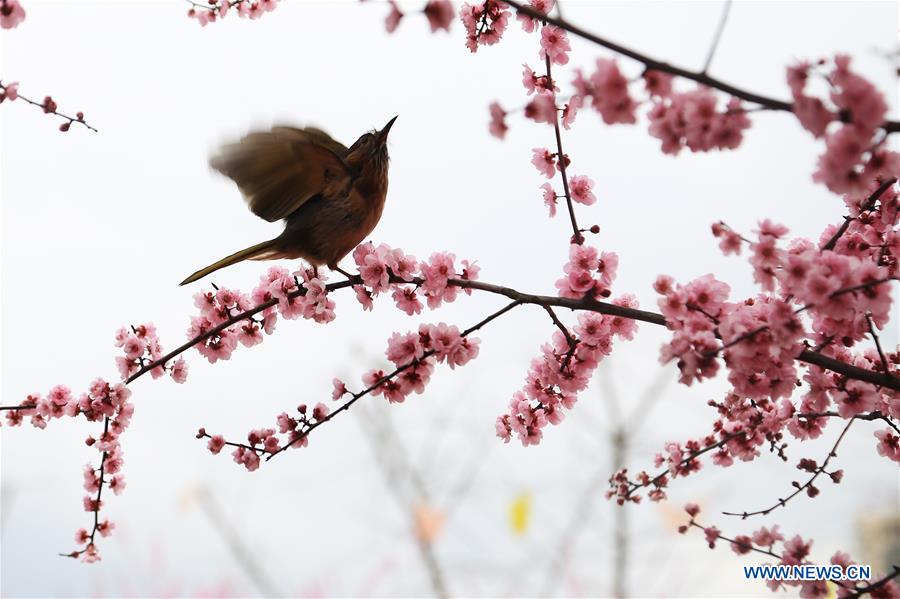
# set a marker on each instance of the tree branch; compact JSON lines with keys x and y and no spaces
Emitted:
{"x":805,"y":486}
{"x":658,"y":65}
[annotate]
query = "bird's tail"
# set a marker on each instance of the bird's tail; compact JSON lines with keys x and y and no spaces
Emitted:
{"x":255,"y":252}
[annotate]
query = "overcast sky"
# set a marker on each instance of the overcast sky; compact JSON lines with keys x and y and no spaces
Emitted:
{"x":97,"y":230}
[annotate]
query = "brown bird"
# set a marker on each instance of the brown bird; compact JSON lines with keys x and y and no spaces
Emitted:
{"x":330,"y":196}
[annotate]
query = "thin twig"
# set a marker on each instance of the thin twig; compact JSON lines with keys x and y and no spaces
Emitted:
{"x":799,"y":489}
{"x":634,"y":486}
{"x":43,"y":106}
{"x":718,"y":36}
{"x":577,"y":237}
{"x":884,"y":362}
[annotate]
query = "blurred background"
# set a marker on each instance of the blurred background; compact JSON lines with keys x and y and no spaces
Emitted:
{"x":416,"y":499}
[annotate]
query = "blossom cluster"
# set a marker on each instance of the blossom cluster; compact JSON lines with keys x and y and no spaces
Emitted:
{"x":222,"y":311}
{"x":484,"y":22}
{"x":793,"y":552}
{"x":103,"y":401}
{"x":141,"y":348}
{"x":414,"y":355}
{"x":384,"y":269}
{"x":218,"y":9}
{"x":230,"y":317}
{"x":834,"y":294}
{"x":692,"y":119}
{"x":568,"y":361}
{"x":266,"y":441}
{"x":854,"y":153}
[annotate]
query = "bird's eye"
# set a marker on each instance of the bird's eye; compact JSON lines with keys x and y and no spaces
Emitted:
{"x":366,"y":138}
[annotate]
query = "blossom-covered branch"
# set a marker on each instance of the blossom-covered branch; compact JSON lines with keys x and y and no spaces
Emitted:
{"x":211,"y":11}
{"x":653,"y":64}
{"x":795,"y":552}
{"x":439,"y":342}
{"x":10,"y":91}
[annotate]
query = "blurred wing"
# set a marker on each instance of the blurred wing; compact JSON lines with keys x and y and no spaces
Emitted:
{"x":316,"y":135}
{"x":278,"y":171}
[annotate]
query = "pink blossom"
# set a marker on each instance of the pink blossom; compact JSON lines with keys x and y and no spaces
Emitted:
{"x":443,"y":338}
{"x":403,"y":349}
{"x":484,"y":22}
{"x":363,"y":296}
{"x":393,"y":18}
{"x":555,"y":44}
{"x":742,"y":544}
{"x":795,"y":550}
{"x":582,"y":190}
{"x":179,"y":371}
{"x":11,"y":14}
{"x":549,"y":198}
{"x":320,"y":412}
{"x":82,"y":536}
{"x":729,"y":241}
{"x":693,"y":119}
{"x":470,"y":272}
{"x":607,"y":88}
{"x":766,"y":538}
{"x":10,"y":91}
{"x":568,"y":114}
{"x":117,"y":484}
{"x":105,"y":528}
{"x":216,"y":443}
{"x":339,"y":389}
{"x":888,"y":444}
{"x":536,"y":83}
{"x":248,"y":458}
{"x":439,"y":14}
{"x":813,"y":115}
{"x":461,"y":353}
{"x":544,"y":161}
{"x":542,"y":109}
{"x":529,"y":24}
{"x":497,"y":127}
{"x":407,"y":301}
{"x":657,"y":83}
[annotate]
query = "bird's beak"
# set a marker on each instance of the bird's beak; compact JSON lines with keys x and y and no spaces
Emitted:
{"x":382,"y":135}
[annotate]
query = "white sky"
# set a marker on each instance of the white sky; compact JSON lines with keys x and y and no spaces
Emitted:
{"x":97,"y":229}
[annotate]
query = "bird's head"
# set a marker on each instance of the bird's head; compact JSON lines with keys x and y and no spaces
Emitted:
{"x":369,"y":156}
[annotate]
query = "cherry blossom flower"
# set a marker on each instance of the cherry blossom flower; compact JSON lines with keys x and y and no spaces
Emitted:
{"x":555,"y":44}
{"x":529,"y":24}
{"x":11,"y":14}
{"x":549,"y":198}
{"x":484,"y":22}
{"x":439,"y":14}
{"x":497,"y":127}
{"x":581,"y":188}
{"x":393,"y":18}
{"x":544,"y":161}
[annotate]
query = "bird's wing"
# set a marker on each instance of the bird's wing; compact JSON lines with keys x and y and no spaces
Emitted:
{"x":316,"y":135}
{"x":279,"y":170}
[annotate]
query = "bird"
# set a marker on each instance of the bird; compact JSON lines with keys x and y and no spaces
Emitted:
{"x":329,"y":196}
